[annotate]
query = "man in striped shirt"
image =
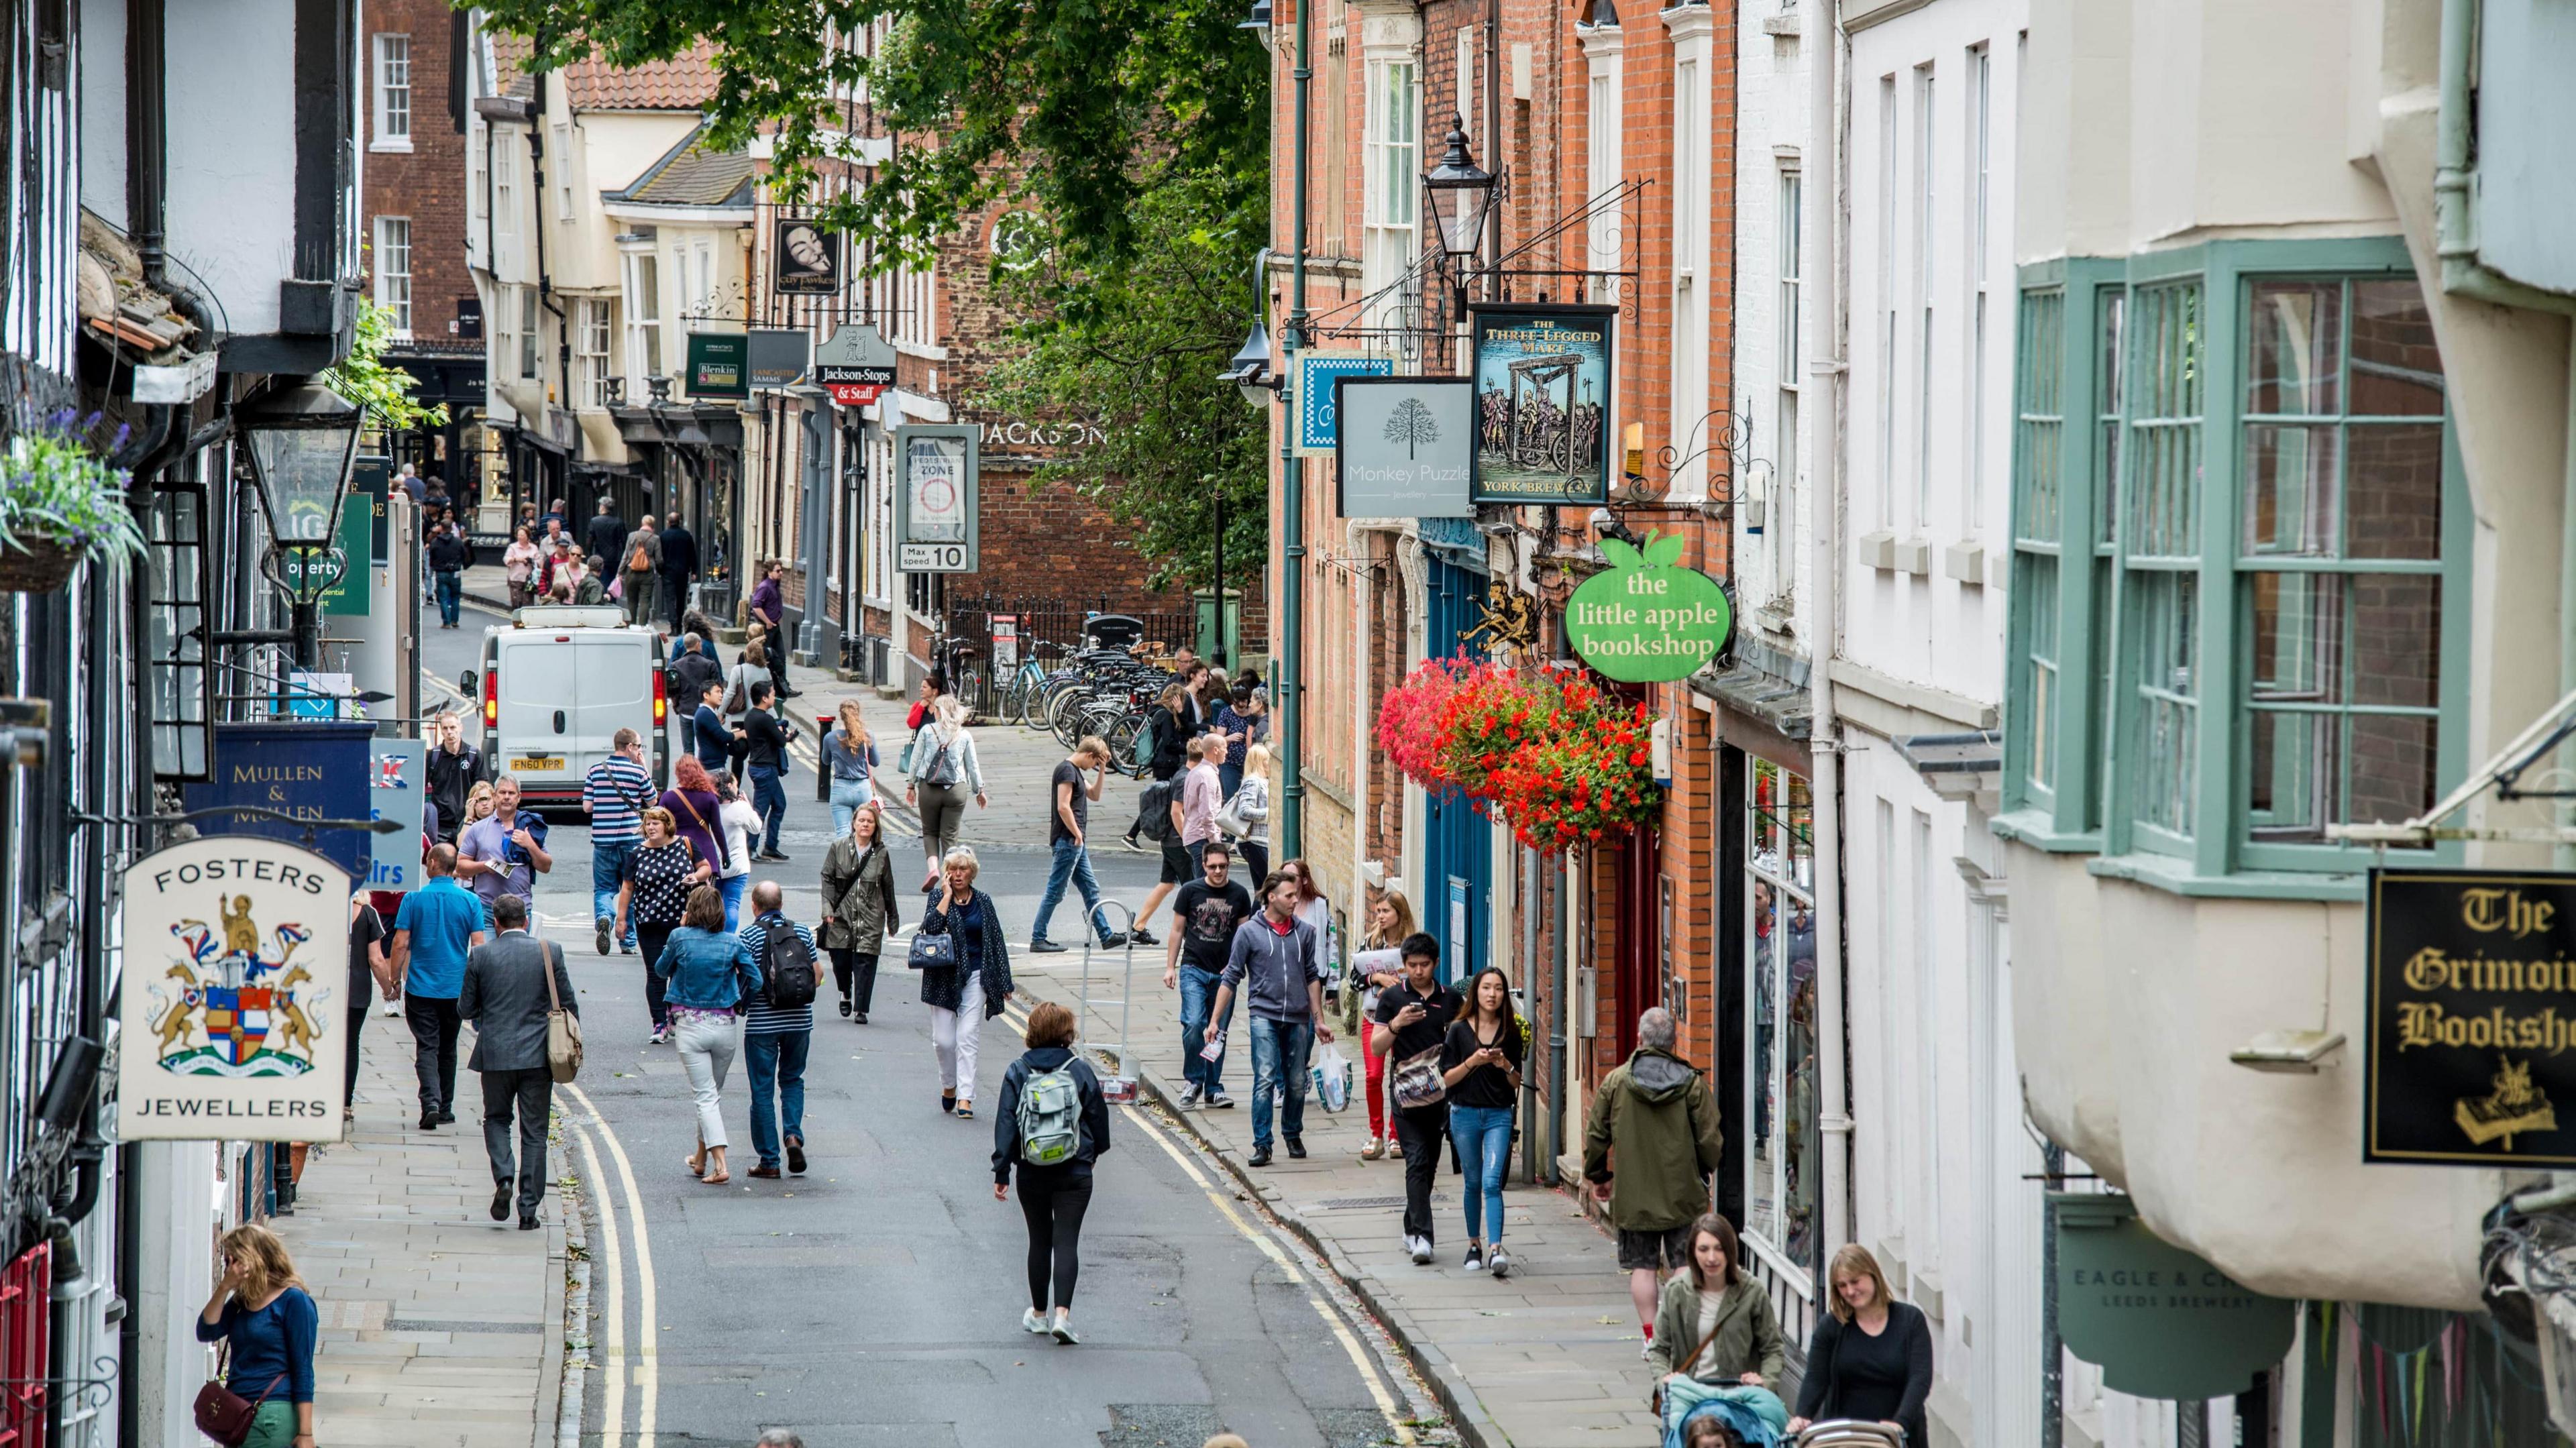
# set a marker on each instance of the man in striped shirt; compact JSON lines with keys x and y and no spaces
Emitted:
{"x":774,"y":1042}
{"x":615,"y":794}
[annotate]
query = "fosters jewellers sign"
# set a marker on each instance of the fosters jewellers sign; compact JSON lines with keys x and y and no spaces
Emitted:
{"x":2472,"y":1009}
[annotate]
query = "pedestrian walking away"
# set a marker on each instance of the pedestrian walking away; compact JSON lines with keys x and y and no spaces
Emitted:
{"x":1052,"y":1127}
{"x":615,"y":795}
{"x":778,"y":1031}
{"x":1413,"y":1017}
{"x":697,"y":812}
{"x":604,"y":531}
{"x":1249,"y":802}
{"x":850,"y":756}
{"x":1648,"y":1150}
{"x":639,"y":569}
{"x":437,"y":925}
{"x":369,"y":967}
{"x":1206,"y":913}
{"x":1715,"y":1325}
{"x":966,"y":994}
{"x":1167,"y":735}
{"x":1380,"y":964}
{"x":692,"y":668}
{"x":508,"y":995}
{"x":1273,"y":963}
{"x":751,"y":669}
{"x":450,"y":553}
{"x":858,"y":908}
{"x":1161,"y":815}
{"x":1075,"y":787}
{"x":945,"y":773}
{"x":679,"y":564}
{"x":503,"y":855}
{"x":1480,"y":1065}
{"x":454,"y":768}
{"x":270,"y":1328}
{"x":708,"y":979}
{"x":765,"y":756}
{"x":740,"y":825}
{"x":1870,"y":1356}
{"x":590,"y":586}
{"x":653,"y":895}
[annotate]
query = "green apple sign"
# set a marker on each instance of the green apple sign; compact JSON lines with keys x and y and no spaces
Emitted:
{"x":1648,"y":620}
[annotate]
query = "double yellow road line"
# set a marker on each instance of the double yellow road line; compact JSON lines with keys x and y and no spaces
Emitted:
{"x":612,"y":1357}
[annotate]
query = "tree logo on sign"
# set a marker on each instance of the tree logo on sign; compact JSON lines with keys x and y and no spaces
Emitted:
{"x":1412,"y":425}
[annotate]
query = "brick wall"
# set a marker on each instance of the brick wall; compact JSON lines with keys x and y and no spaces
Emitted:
{"x":426,"y":183}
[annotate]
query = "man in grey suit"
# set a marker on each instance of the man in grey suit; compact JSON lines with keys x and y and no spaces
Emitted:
{"x":505,"y":997}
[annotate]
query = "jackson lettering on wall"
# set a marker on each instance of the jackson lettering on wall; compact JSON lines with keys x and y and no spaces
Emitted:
{"x":2472,"y":1018}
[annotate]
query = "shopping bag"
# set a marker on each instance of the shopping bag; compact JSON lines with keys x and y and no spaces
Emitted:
{"x":1332,"y":1073}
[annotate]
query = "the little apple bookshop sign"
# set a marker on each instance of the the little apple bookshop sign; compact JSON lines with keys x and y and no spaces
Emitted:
{"x":1648,"y":619}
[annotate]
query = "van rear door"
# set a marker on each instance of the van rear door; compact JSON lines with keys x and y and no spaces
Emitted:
{"x":613,"y":675}
{"x":540,"y":704}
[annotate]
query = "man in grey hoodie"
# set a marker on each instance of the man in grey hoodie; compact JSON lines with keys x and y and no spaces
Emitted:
{"x":1275,"y":962}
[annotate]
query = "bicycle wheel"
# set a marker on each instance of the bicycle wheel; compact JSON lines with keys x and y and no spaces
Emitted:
{"x":1122,"y":741}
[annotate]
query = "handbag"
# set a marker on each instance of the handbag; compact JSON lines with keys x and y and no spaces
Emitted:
{"x":227,"y":1416}
{"x":563,"y":1028}
{"x":1228,"y":822}
{"x":931,"y":952}
{"x":1417,"y":1081}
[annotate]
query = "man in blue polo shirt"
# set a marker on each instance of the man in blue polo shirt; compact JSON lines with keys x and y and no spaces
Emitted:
{"x":437,"y":925}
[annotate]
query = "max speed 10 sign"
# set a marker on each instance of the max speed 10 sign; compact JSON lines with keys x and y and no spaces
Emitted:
{"x":935,"y":498}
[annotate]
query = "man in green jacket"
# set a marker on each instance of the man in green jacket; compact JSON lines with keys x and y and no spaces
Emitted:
{"x":1657,"y":1115}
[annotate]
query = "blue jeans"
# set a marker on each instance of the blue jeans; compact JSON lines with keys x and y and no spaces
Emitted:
{"x":1198,"y":992}
{"x":775,"y":1058}
{"x":450,"y":590}
{"x":1279,"y":1051}
{"x":770,"y":798}
{"x":607,"y":862}
{"x":1072,"y":863}
{"x":849,"y":796}
{"x":1484,"y":1138}
{"x":732,"y":890}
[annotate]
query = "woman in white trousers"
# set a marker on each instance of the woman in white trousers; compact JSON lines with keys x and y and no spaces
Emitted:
{"x":964,"y":995}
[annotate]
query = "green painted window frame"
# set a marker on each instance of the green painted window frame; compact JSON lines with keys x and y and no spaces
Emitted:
{"x":2085,"y":621}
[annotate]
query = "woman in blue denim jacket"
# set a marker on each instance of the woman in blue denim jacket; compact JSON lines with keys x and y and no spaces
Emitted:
{"x":712,"y":979}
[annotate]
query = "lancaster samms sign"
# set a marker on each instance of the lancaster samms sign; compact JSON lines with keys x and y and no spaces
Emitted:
{"x":235,"y":994}
{"x":2472,"y":1013}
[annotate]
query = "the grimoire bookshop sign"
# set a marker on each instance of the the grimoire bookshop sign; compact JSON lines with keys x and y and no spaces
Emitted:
{"x":2472,"y":1009}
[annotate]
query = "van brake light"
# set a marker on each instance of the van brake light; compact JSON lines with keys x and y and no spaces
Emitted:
{"x":661,"y":701}
{"x":492,"y":698}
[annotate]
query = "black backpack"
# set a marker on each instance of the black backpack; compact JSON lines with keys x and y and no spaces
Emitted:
{"x":789,"y":965}
{"x":1154,"y":811}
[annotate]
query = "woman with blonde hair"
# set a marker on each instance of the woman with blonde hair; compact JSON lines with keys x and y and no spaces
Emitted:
{"x":850,"y":757}
{"x":480,"y":801}
{"x":1252,"y":806}
{"x":966,"y":994}
{"x":1871,"y":1355}
{"x":858,"y":907}
{"x":944,"y":772}
{"x":262,"y":1312}
{"x":710,"y":977}
{"x":1390,"y":920}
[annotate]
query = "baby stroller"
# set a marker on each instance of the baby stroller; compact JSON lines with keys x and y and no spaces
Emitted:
{"x":1850,"y":1433}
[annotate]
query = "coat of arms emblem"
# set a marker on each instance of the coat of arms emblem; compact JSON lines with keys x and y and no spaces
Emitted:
{"x":229,"y":1005}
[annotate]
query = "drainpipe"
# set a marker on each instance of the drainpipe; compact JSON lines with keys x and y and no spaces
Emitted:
{"x":2454,"y":139}
{"x":1824,"y":346}
{"x":1559,"y":988}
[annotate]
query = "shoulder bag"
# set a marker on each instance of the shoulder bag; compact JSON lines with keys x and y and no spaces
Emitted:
{"x":563,"y":1028}
{"x":1417,"y":1081}
{"x":1684,"y":1366}
{"x":227,"y":1416}
{"x":932,"y":952}
{"x":724,"y":849}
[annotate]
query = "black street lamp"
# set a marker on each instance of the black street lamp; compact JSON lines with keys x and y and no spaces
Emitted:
{"x":1462,"y":193}
{"x":303,"y":442}
{"x":1249,"y":369}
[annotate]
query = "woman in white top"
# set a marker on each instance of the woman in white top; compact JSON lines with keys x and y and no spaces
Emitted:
{"x":944,"y":773}
{"x":741,"y":825}
{"x":1252,"y":805}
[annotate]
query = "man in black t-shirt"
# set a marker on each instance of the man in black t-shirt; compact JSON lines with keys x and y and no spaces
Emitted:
{"x":1205,"y":912}
{"x":366,"y":968}
{"x":765,"y":757}
{"x":1068,"y":826}
{"x":1417,"y":1012}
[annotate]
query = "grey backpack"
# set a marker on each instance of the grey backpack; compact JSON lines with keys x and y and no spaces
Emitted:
{"x":1050,"y":1116}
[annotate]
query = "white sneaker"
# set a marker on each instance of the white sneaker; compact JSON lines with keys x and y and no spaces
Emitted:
{"x":1499,"y":1263}
{"x":1421,"y":1251}
{"x":1032,"y":1320}
{"x":1063,"y":1328}
{"x":1190,"y":1096}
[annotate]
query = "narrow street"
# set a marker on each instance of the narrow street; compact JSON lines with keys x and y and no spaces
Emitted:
{"x":876,"y":1300}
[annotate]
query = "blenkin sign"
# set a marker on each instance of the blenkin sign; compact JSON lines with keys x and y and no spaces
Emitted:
{"x":235,"y":1004}
{"x":2159,"y":1321}
{"x":1648,"y":620}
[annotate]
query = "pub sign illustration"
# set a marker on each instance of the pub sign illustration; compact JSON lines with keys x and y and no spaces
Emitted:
{"x":1542,"y":404}
{"x":233,"y":1009}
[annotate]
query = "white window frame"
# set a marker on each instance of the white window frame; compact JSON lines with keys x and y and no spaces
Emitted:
{"x":531,"y":329}
{"x":1789,"y":233}
{"x":390,"y":71}
{"x":563,"y":171}
{"x":590,"y":352}
{"x":391,"y":268}
{"x":1926,"y":293}
{"x":644,"y":348}
{"x":1980,"y":138}
{"x":1391,"y":170}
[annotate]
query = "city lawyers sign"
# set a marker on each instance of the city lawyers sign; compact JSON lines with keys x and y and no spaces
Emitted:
{"x":235,"y":1003}
{"x":2472,"y":1013}
{"x":1403,"y":445}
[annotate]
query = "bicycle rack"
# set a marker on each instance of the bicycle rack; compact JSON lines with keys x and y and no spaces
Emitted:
{"x":1119,"y":1086}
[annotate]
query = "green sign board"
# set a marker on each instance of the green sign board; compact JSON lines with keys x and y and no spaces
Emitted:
{"x":719,"y":364}
{"x":348,"y":595}
{"x":2159,"y":1321}
{"x":1648,"y":619}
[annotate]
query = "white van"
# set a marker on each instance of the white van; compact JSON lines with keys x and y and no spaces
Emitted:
{"x":558,"y":682}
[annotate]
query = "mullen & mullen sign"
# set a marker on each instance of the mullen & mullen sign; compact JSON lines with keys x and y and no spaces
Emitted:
{"x":234,"y":1008}
{"x":2472,"y":1011}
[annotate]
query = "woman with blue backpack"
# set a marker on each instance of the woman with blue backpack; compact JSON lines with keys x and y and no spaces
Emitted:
{"x":1054,"y":1123}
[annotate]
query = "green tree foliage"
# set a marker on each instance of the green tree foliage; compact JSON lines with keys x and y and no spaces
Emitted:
{"x":385,"y":392}
{"x":1135,"y":347}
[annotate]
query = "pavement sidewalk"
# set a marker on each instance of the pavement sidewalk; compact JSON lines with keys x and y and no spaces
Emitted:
{"x":441,"y":1328}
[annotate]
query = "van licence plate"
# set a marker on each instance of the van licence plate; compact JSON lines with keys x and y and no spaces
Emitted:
{"x":537,"y":765}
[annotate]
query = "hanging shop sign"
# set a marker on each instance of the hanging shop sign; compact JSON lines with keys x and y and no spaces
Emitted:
{"x":2159,"y":1321}
{"x":935,"y":498}
{"x":2472,"y":1016}
{"x":1312,"y":402}
{"x":1542,"y":404}
{"x":234,"y":1010}
{"x":719,"y":364}
{"x":1403,"y":446}
{"x":856,"y":365}
{"x":806,"y":262}
{"x":1648,"y":619}
{"x":311,"y":769}
{"x":779,"y":355}
{"x":397,"y":786}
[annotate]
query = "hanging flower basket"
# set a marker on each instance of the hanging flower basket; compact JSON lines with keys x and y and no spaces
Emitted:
{"x":61,"y":505}
{"x":1544,"y":750}
{"x":1493,"y":711}
{"x":1408,"y":721}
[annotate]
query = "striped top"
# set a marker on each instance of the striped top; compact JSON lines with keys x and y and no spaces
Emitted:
{"x":618,"y":791}
{"x":763,"y":1017}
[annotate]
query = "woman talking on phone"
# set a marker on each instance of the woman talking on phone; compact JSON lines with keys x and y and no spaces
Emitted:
{"x":262,"y":1312}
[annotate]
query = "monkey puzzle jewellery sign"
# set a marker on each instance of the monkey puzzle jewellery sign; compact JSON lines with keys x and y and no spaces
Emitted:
{"x":1542,"y":405}
{"x":1403,"y":446}
{"x":1648,"y":620}
{"x":1312,"y":402}
{"x":235,"y":1002}
{"x":2472,"y":1014}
